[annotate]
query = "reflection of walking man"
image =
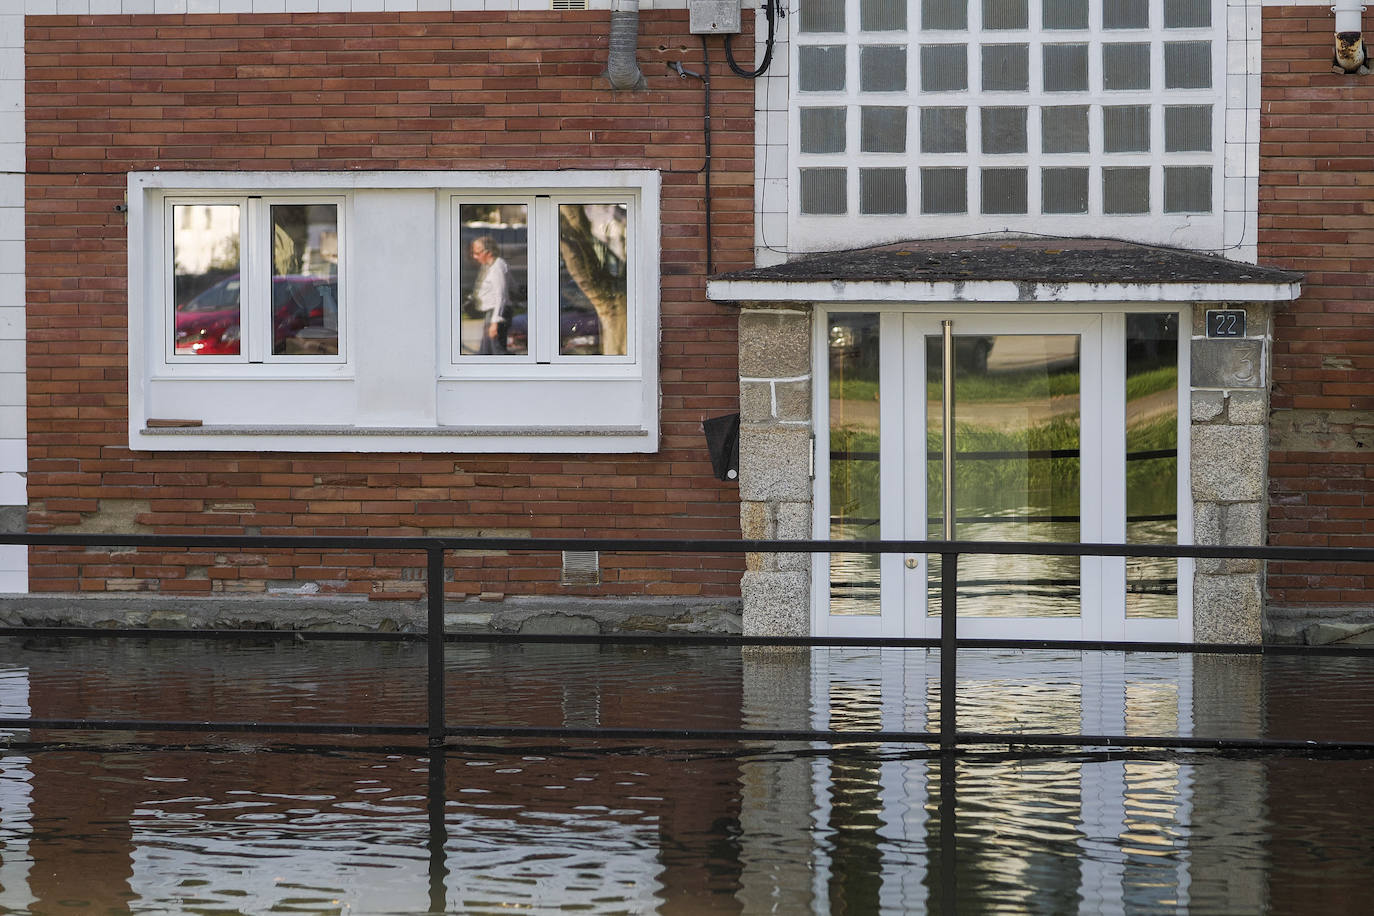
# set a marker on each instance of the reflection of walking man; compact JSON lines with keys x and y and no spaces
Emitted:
{"x":492,"y":294}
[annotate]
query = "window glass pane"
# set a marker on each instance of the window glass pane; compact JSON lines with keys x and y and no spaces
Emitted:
{"x":493,"y":279}
{"x":1064,"y":129}
{"x":949,"y":15}
{"x":1188,"y":189}
{"x":882,"y":69}
{"x":943,"y":130}
{"x":1004,"y":130}
{"x":854,"y":451}
{"x":882,"y":190}
{"x":305,"y":279}
{"x":1151,"y":461}
{"x":1126,"y":190}
{"x":1126,"y":66}
{"x":822,"y":16}
{"x":944,"y":190}
{"x":944,"y":68}
{"x":1125,"y":128}
{"x":593,"y":279}
{"x":1187,"y":128}
{"x":1064,"y":190}
{"x":822,"y":69}
{"x":823,"y":191}
{"x":1004,"y":14}
{"x":1126,"y":14}
{"x":1004,"y":190}
{"x":882,"y":130}
{"x":882,"y":15}
{"x":205,"y":279}
{"x":1006,"y":67}
{"x":1187,"y":14}
{"x":1066,"y":68}
{"x":1064,"y":14}
{"x":1187,"y":64}
{"x":822,"y":130}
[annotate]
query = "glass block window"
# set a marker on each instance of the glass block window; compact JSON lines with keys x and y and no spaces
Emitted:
{"x":924,"y":117}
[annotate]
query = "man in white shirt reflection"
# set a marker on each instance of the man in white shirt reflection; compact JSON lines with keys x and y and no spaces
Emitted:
{"x":491,"y":293}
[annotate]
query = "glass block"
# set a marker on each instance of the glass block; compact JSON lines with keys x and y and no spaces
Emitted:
{"x":1064,"y":190}
{"x":1126,"y":14}
{"x":882,"y":68}
{"x":1126,"y":190}
{"x":882,"y":129}
{"x":944,"y":68}
{"x":823,"y":191}
{"x":882,"y":15}
{"x":1064,"y":129}
{"x":944,"y":130}
{"x":1126,"y":66}
{"x":944,"y":15}
{"x":1004,"y":190}
{"x":822,"y":16}
{"x":1005,"y":14}
{"x":1187,"y":64}
{"x":1064,"y":14}
{"x":1125,"y":128}
{"x":822,"y":130}
{"x":1006,"y":67}
{"x":1187,"y":128}
{"x":1187,"y":14}
{"x":821,"y":68}
{"x":944,"y":190}
{"x":1004,"y":130}
{"x":1188,"y":189}
{"x":882,"y":190}
{"x":1066,"y":68}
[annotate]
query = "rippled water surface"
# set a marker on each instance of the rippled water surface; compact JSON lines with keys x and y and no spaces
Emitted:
{"x":181,"y":822}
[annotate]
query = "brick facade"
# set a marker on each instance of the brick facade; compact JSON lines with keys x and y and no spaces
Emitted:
{"x":400,"y":91}
{"x":1317,"y":216}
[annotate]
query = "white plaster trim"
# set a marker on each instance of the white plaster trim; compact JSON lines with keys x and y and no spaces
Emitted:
{"x":14,"y":576}
{"x":984,"y":291}
{"x":194,"y":7}
{"x":770,"y":379}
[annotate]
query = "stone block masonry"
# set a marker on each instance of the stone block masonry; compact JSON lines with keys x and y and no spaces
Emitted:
{"x":441,"y":90}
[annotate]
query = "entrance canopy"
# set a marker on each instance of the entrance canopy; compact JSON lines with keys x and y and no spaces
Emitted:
{"x":1009,"y":269}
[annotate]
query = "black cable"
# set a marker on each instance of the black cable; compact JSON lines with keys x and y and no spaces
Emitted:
{"x":770,"y":10}
{"x":706,"y":89}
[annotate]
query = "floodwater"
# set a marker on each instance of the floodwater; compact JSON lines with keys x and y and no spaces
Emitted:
{"x":144,"y":822}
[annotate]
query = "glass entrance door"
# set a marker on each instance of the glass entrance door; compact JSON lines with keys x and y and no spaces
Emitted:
{"x":1024,"y":468}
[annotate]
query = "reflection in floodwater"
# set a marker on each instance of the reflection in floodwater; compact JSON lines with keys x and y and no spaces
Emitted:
{"x":247,"y":823}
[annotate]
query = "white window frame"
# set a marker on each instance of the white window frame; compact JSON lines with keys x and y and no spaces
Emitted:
{"x":255,"y":291}
{"x":397,"y":384}
{"x":543,"y":302}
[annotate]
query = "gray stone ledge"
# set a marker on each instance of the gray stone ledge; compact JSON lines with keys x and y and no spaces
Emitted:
{"x":542,"y":614}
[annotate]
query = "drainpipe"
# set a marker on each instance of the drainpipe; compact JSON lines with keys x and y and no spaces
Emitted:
{"x":1350,"y":54}
{"x":621,"y":67}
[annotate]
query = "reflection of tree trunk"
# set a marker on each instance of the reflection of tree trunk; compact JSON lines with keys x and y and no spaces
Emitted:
{"x":605,"y":291}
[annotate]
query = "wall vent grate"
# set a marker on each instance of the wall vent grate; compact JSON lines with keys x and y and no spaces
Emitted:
{"x":581,"y":567}
{"x":568,"y":4}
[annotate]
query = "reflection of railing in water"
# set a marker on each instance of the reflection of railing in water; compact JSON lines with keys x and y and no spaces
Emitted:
{"x":950,"y":742}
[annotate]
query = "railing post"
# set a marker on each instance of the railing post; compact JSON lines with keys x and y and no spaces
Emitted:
{"x":949,"y":648}
{"x":434,"y":590}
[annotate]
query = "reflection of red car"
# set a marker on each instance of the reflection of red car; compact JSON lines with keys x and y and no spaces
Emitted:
{"x":209,"y":324}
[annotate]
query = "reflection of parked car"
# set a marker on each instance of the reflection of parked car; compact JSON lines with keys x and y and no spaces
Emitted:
{"x":209,"y":324}
{"x":579,"y":332}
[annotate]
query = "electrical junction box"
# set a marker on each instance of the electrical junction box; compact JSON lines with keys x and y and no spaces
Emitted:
{"x":713,"y":17}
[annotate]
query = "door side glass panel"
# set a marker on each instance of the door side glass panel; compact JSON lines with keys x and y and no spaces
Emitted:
{"x":305,"y":279}
{"x":205,"y":280}
{"x":493,"y":279}
{"x":854,"y":491}
{"x":1151,"y":462}
{"x":593,"y":280}
{"x":1016,"y":469}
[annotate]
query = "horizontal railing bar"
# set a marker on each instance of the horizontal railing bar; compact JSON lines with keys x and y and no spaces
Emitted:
{"x":694,"y":545}
{"x":827,"y":736}
{"x":702,"y":639}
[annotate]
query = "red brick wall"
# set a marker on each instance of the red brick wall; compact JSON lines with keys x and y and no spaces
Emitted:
{"x":1317,"y":216}
{"x":110,"y":95}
